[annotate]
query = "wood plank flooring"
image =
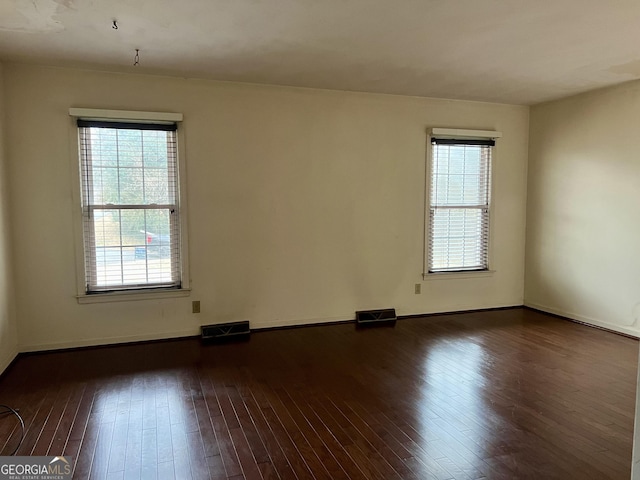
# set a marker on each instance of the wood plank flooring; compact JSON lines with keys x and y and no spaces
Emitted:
{"x":499,"y":395}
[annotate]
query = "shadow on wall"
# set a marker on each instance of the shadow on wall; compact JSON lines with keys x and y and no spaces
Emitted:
{"x":555,"y":297}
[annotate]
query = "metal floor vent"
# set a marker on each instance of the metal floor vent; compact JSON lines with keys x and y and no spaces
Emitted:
{"x":385,"y":316}
{"x":226,"y":331}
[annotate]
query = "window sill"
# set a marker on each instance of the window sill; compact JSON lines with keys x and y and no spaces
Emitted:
{"x":131,"y":296}
{"x":457,"y":275}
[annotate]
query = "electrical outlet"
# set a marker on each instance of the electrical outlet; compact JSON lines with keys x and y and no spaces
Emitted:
{"x":418,"y":289}
{"x":195,"y":306}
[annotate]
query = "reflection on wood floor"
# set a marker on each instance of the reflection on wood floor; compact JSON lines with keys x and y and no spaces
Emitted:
{"x":498,"y":394}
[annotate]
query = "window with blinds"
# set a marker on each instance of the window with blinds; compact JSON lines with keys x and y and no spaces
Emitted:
{"x":460,"y":177}
{"x":131,"y":224}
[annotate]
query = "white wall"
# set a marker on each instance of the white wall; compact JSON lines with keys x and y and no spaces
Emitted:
{"x":8,"y":327}
{"x":305,"y":205}
{"x":583,"y":217}
{"x":635,"y":459}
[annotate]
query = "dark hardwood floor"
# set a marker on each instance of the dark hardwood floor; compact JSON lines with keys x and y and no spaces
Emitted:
{"x":500,"y":395}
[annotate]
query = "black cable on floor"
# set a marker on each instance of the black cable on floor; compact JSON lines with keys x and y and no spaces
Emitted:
{"x":15,"y":412}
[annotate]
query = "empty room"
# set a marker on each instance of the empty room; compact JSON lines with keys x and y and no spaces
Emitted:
{"x":319,"y":240}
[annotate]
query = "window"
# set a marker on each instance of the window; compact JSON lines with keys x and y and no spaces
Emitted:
{"x":130,"y":197}
{"x":459,"y":201}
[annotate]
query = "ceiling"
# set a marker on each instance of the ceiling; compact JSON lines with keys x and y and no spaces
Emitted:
{"x":507,"y":51}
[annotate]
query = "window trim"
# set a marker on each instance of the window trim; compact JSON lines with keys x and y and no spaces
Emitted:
{"x":129,"y":117}
{"x":458,"y":134}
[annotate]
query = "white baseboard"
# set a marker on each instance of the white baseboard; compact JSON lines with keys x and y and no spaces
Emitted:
{"x":94,"y":342}
{"x":585,"y":319}
{"x":351,"y":316}
{"x":303,"y":322}
{"x":7,"y":358}
{"x":463,"y":308}
{"x":254,"y":326}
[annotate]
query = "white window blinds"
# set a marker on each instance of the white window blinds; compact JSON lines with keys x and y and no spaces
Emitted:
{"x":460,"y":185}
{"x":130,"y":205}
